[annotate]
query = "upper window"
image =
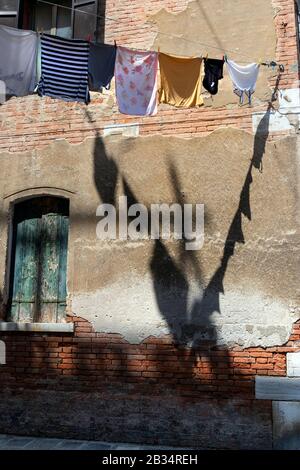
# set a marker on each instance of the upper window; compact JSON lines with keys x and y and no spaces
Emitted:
{"x":50,"y":19}
{"x":9,"y":12}
{"x":39,"y":260}
{"x":66,"y":18}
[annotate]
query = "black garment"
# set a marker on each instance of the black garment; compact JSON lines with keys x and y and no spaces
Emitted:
{"x":213,"y":69}
{"x":101,"y":65}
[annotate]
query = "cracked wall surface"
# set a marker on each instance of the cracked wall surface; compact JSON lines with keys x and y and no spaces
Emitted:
{"x":191,"y":29}
{"x":233,"y":29}
{"x":240,"y":288}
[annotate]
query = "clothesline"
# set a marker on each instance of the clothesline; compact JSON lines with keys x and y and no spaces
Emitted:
{"x":272,"y":63}
{"x":70,"y":68}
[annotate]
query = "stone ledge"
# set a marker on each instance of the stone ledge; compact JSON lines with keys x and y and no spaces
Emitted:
{"x":293,"y":364}
{"x":37,"y":327}
{"x":126,"y":130}
{"x":277,"y":388}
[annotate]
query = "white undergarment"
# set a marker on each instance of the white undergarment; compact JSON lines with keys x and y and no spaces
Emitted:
{"x":244,"y":78}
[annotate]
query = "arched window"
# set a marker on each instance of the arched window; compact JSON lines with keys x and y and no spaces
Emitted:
{"x":39,"y":260}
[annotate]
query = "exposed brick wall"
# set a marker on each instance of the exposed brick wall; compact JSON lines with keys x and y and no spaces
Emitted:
{"x":154,"y":392}
{"x":117,"y":414}
{"x":31,"y":122}
{"x":98,"y":386}
{"x":86,"y":358}
{"x":130,"y":28}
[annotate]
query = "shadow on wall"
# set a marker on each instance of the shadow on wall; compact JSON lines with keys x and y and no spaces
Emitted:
{"x":190,"y":325}
{"x":163,"y":267}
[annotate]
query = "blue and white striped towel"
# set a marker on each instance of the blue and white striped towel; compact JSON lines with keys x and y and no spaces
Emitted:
{"x":64,"y":68}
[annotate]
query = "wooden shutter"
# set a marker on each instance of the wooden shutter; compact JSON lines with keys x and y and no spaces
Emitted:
{"x":40,"y":261}
{"x":26,"y":270}
{"x":53,"y":267}
{"x":9,"y":12}
{"x":84,"y":18}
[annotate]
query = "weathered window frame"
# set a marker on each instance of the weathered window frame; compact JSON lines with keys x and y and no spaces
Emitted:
{"x":59,"y":327}
{"x":86,"y":17}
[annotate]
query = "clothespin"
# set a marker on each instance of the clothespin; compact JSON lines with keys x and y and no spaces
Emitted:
{"x":225,"y":58}
{"x":206,"y":56}
{"x":158,"y":49}
{"x":259,"y":61}
{"x":115,"y":43}
{"x":273,"y":64}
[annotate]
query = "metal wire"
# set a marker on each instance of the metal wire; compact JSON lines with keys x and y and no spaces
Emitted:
{"x":265,"y":63}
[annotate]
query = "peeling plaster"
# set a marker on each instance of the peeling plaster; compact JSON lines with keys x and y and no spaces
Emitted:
{"x":245,"y":318}
{"x":232,"y":29}
{"x":286,"y":118}
{"x":137,"y":290}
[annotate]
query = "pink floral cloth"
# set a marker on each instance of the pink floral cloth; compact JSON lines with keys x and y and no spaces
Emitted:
{"x":136,"y":81}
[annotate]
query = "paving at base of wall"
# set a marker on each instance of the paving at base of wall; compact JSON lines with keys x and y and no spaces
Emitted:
{"x":10,"y":442}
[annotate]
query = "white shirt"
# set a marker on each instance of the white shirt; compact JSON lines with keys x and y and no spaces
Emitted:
{"x":18,"y":60}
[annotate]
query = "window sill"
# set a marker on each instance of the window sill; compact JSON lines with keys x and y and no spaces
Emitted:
{"x":37,"y":327}
{"x":277,"y":388}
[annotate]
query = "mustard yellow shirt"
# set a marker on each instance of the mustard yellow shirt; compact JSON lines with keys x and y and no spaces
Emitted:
{"x":181,"y":81}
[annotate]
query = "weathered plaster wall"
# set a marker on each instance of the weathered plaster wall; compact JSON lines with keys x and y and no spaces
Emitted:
{"x":241,"y":288}
{"x":233,"y":28}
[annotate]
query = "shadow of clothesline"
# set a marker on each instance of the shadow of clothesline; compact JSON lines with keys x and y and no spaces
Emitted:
{"x":189,"y":324}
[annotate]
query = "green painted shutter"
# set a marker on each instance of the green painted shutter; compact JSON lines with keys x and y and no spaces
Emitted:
{"x":26,"y":270}
{"x":62,"y":273}
{"x":40,"y":261}
{"x":53,"y":267}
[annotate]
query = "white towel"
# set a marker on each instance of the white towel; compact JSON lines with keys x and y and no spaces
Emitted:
{"x":18,"y":60}
{"x":136,"y":81}
{"x":244,"y":78}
